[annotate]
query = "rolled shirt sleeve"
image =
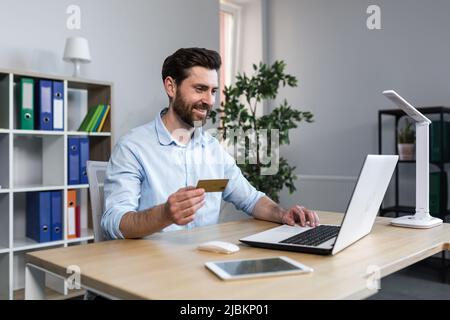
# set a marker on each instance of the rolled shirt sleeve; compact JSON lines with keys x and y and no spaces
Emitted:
{"x":239,"y":191}
{"x":122,"y":188}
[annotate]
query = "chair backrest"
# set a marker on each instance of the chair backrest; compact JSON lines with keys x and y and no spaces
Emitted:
{"x":96,"y":171}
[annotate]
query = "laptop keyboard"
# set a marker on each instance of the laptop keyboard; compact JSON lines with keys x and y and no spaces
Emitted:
{"x":314,"y":236}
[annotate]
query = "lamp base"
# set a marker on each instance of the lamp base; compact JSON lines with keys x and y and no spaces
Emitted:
{"x":76,"y":69}
{"x":414,"y":222}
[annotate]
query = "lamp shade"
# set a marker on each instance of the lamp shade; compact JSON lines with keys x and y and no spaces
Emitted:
{"x":77,"y":49}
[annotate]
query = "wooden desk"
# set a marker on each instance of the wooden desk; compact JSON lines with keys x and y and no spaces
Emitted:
{"x":168,"y":266}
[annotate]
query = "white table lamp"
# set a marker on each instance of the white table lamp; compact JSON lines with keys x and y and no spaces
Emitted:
{"x":77,"y":52}
{"x":422,"y":219}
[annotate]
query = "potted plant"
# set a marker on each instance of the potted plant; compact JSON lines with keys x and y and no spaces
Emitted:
{"x":406,"y":141}
{"x":238,"y":111}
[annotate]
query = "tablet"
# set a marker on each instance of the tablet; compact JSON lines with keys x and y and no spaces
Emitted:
{"x":252,"y":268}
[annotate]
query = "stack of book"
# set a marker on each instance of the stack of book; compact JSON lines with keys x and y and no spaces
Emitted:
{"x":95,"y":118}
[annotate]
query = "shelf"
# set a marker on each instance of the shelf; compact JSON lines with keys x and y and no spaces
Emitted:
{"x":37,"y":132}
{"x":100,"y":134}
{"x":37,"y":188}
{"x":425,"y":110}
{"x":4,"y":101}
{"x":86,"y":235}
{"x":51,"y":294}
{"x":92,"y":134}
{"x":432,"y":162}
{"x":81,"y":98}
{"x":406,"y":210}
{"x":4,"y":276}
{"x":77,"y":186}
{"x":87,"y":84}
{"x":33,"y":74}
{"x":437,"y":162}
{"x":25,"y":244}
{"x":4,"y":222}
{"x":37,"y":161}
{"x":4,"y":161}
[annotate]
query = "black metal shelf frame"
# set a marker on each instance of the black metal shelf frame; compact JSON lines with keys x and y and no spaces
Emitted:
{"x":398,"y":114}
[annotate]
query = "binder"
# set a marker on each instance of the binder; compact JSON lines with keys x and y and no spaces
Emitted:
{"x":43,"y":105}
{"x":86,"y":120}
{"x":99,"y":118}
{"x":58,"y":105}
{"x":26,"y":104}
{"x":95,"y":117}
{"x":84,"y":157}
{"x":105,"y":116}
{"x":71,"y":214}
{"x":436,"y":154}
{"x":435,"y":199}
{"x":56,"y":229}
{"x":73,"y":145}
{"x":38,"y":215}
{"x":77,"y":222}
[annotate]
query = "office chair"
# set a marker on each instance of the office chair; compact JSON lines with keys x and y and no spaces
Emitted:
{"x":96,"y":171}
{"x":96,"y":175}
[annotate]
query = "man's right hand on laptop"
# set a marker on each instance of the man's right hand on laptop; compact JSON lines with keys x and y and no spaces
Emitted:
{"x":300,"y":215}
{"x":182,"y":205}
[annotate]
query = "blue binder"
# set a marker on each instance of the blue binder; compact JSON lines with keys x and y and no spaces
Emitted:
{"x":44,"y":97}
{"x":58,"y":105}
{"x":84,"y":157}
{"x":56,"y":229}
{"x":73,"y":146}
{"x":38,"y":210}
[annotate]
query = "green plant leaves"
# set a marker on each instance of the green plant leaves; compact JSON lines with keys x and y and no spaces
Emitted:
{"x":238,"y":112}
{"x":407,"y":133}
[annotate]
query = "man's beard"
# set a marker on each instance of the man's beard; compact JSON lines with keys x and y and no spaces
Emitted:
{"x":185,"y":111}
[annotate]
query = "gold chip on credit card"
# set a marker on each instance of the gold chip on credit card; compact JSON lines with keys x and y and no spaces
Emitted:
{"x":213,"y":185}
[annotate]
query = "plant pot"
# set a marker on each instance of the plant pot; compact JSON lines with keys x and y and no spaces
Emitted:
{"x":406,"y":151}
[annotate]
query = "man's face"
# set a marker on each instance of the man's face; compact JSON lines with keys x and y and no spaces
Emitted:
{"x":195,"y":96}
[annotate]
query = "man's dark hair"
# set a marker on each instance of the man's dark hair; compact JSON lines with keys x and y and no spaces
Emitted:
{"x":178,"y":64}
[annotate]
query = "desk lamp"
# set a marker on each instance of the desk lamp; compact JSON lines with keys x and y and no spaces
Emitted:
{"x":422,"y":218}
{"x":77,"y":51}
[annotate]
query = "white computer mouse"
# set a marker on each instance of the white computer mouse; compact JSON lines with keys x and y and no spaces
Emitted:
{"x":219,"y":247}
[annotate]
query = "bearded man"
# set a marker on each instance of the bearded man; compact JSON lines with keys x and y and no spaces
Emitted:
{"x":150,"y":178}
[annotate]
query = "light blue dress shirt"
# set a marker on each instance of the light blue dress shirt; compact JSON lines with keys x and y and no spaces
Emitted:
{"x":148,"y":165}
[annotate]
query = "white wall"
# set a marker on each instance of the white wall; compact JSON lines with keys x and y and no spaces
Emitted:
{"x":342,"y":68}
{"x":128,"y":39}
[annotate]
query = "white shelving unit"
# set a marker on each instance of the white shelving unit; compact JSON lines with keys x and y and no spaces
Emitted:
{"x":34,"y":160}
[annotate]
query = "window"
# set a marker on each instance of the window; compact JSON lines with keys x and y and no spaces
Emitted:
{"x":229,"y":31}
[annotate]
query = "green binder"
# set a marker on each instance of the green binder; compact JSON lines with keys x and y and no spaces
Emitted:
{"x":26,"y":104}
{"x":87,"y":119}
{"x":95,"y":118}
{"x":435,"y":193}
{"x":436,"y":154}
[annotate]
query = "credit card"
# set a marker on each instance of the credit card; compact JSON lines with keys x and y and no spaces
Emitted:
{"x":213,"y":185}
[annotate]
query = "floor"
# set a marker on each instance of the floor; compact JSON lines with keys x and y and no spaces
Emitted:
{"x":421,"y":281}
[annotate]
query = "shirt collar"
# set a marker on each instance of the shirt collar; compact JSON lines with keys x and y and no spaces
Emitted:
{"x":165,"y":138}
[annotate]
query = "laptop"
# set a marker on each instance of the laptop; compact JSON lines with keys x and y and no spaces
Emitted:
{"x":359,"y":218}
